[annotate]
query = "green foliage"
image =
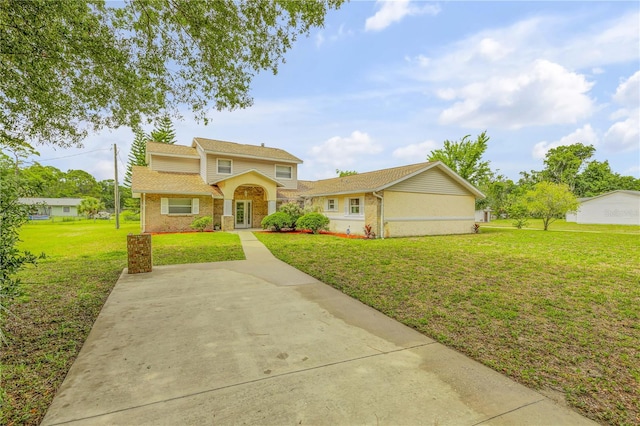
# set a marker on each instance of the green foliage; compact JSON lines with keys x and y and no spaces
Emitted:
{"x":564,"y":163}
{"x":519,"y":214}
{"x":12,"y":216}
{"x":276,"y":221}
{"x":314,"y":222}
{"x":112,"y":64}
{"x":293,"y":210}
{"x":343,"y":173}
{"x":549,"y":201}
{"x":201,"y":223}
{"x":465,"y":158}
{"x":90,"y":207}
{"x":130,"y":216}
{"x":164,"y":131}
{"x":598,"y":178}
{"x":137,"y":155}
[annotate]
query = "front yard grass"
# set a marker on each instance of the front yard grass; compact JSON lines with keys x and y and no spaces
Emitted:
{"x":62,"y":296}
{"x":556,"y":311}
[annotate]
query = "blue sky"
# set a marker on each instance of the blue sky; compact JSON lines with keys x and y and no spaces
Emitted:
{"x":384,"y":83}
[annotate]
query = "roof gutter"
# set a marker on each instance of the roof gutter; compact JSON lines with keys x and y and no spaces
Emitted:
{"x":381,"y":213}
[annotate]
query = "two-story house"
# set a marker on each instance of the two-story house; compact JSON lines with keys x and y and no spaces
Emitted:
{"x":235,"y":184}
{"x":238,"y":185}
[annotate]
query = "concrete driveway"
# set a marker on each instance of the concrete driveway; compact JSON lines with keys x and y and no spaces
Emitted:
{"x":259,"y":342}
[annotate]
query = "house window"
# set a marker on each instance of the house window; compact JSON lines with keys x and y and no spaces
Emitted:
{"x":224,"y":166}
{"x":284,"y":172}
{"x":332,"y":205}
{"x":354,"y":205}
{"x":179,"y":205}
{"x":66,"y":209}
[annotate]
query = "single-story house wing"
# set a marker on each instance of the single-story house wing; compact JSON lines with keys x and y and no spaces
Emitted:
{"x":418,"y":199}
{"x":44,"y":208}
{"x":619,"y":207}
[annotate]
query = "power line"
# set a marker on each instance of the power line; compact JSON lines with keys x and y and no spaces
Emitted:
{"x":72,"y":155}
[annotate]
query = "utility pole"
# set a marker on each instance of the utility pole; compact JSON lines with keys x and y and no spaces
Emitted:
{"x":116,"y":196}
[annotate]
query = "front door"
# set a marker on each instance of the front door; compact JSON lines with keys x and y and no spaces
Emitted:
{"x":243,"y":214}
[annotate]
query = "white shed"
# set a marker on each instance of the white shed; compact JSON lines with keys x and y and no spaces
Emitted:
{"x":613,"y":208}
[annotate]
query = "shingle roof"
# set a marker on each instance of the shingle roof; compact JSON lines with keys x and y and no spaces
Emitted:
{"x":363,"y":182}
{"x":243,"y":150}
{"x":165,"y":148}
{"x":623,"y":191}
{"x":145,"y":180}
{"x":293,"y":194}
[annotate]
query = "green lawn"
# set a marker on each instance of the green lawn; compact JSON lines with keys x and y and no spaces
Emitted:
{"x":63,"y":295}
{"x":556,"y":311}
{"x":562,"y":225}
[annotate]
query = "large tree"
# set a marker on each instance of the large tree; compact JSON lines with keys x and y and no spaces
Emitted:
{"x":137,"y":155}
{"x":564,"y":163}
{"x":67,"y":67}
{"x":465,"y":158}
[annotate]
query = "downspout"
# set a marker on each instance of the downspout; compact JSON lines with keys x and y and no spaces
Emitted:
{"x":143,"y":212}
{"x":381,"y":213}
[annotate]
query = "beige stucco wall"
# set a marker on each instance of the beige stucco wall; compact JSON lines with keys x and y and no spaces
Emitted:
{"x":156,"y":222}
{"x":229,"y":186}
{"x":339,"y":221}
{"x":410,"y":214}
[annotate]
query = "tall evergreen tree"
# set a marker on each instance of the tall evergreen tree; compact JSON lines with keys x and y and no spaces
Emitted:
{"x":137,"y":155}
{"x":164,"y":131}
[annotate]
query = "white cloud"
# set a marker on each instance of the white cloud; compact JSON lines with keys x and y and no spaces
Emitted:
{"x":628,"y":92}
{"x":319,"y":39}
{"x":546,"y":93}
{"x":492,"y":49}
{"x":415,"y":152}
{"x":624,"y":135}
{"x":585,"y":135}
{"x":393,"y":11}
{"x":340,"y":152}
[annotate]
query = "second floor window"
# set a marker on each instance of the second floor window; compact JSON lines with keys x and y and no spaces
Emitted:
{"x":224,"y":167}
{"x":284,"y":172}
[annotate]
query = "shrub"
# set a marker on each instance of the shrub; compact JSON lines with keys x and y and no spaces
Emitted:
{"x":368,"y":231}
{"x":277,"y":221}
{"x":313,"y":222}
{"x":294,"y":211}
{"x":518,"y":212}
{"x":201,"y":223}
{"x":130,"y":216}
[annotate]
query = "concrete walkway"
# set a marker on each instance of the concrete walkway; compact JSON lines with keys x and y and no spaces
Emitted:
{"x":259,"y":342}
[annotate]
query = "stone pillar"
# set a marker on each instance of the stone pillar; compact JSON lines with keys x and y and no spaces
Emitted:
{"x":139,"y":253}
{"x":271,"y":207}
{"x":228,"y":223}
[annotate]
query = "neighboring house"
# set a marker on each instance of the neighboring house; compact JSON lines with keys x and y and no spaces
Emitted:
{"x":238,"y":185}
{"x":613,"y":208}
{"x":44,"y":208}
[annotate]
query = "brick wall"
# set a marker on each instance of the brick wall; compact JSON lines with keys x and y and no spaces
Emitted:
{"x":156,"y":222}
{"x":139,"y":253}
